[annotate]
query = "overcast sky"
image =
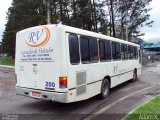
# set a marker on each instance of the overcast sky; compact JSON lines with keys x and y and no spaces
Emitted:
{"x":151,"y":33}
{"x":3,"y":9}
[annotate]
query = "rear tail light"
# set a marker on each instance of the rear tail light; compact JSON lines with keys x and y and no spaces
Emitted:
{"x":63,"y":82}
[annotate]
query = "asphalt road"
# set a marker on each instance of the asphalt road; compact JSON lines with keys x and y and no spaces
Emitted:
{"x":121,"y":100}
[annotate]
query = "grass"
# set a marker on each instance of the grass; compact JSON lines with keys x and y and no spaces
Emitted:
{"x":6,"y":61}
{"x":148,"y":111}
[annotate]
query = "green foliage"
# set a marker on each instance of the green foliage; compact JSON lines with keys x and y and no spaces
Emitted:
{"x":151,"y":111}
{"x":6,"y":61}
{"x":137,"y":13}
{"x":22,"y":14}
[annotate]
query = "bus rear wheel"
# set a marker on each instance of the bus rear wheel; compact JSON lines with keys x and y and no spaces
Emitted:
{"x":104,"y":89}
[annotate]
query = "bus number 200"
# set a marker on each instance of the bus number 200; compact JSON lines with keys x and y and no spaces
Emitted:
{"x":49,"y":84}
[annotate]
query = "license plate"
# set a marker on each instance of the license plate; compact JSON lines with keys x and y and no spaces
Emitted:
{"x":36,"y":94}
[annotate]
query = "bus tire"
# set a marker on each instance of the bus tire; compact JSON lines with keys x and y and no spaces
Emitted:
{"x":104,"y":89}
{"x":134,"y":76}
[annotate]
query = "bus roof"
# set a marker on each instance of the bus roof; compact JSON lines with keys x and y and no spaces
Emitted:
{"x":80,"y":31}
{"x":93,"y":34}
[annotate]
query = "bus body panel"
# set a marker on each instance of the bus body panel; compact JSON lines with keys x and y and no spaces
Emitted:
{"x":95,"y":72}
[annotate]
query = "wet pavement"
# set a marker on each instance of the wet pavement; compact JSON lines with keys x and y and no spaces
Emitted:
{"x":147,"y":86}
{"x":121,"y":101}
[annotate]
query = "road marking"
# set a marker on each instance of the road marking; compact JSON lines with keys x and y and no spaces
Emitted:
{"x":90,"y":117}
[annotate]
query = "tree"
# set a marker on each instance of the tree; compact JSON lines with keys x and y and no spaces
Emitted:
{"x":136,"y":11}
{"x":139,"y":17}
{"x":22,"y":14}
{"x":105,"y":16}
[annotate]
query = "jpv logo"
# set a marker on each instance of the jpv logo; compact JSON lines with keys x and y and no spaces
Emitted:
{"x":38,"y":37}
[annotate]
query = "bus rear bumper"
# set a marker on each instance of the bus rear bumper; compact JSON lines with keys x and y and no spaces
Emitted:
{"x":46,"y":95}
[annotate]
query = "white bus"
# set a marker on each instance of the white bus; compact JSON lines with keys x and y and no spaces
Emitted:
{"x":67,"y":64}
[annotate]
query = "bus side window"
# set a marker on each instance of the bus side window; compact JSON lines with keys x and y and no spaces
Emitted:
{"x":125,"y":52}
{"x":93,"y":50}
{"x":118,"y":51}
{"x":135,"y":53}
{"x":129,"y":52}
{"x":114,"y":50}
{"x":108,"y":50}
{"x":105,"y":50}
{"x":74,"y":49}
{"x":84,"y":48}
{"x":122,"y":51}
{"x":102,"y":50}
{"x":140,"y":56}
{"x":132,"y":52}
